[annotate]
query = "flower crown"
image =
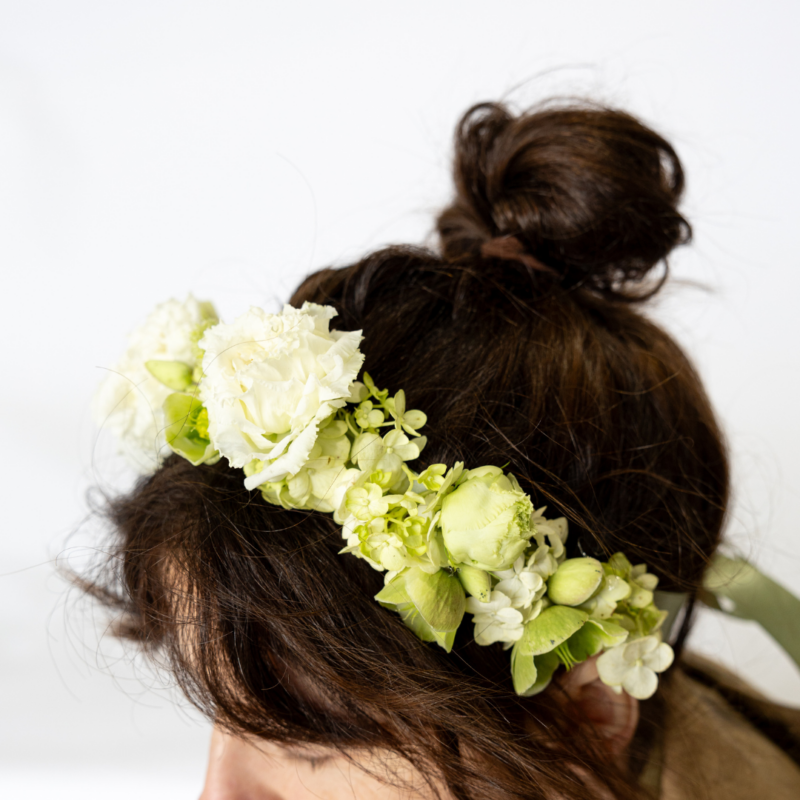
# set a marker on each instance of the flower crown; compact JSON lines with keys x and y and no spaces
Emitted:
{"x":277,"y":395}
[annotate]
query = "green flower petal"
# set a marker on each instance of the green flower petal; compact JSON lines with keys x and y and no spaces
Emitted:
{"x":187,"y":428}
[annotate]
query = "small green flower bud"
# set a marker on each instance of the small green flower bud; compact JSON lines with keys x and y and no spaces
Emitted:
{"x":476,"y":581}
{"x":575,"y":581}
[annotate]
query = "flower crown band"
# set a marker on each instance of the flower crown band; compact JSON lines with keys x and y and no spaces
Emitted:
{"x":278,"y":396}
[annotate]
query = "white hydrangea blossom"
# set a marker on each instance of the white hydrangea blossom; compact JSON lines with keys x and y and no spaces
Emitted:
{"x":498,"y":620}
{"x":129,"y":399}
{"x":515,"y":600}
{"x":633,"y":666}
{"x":522,"y":584}
{"x":268,"y":382}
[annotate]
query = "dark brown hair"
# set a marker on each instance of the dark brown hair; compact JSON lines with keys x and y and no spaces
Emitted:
{"x":534,"y":355}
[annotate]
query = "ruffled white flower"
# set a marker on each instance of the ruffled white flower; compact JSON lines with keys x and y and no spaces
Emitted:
{"x":497,"y":620}
{"x":633,"y":666}
{"x":268,"y":382}
{"x":129,"y":400}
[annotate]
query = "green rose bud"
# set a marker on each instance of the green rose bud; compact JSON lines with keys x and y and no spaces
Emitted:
{"x":575,"y":581}
{"x":486,"y":521}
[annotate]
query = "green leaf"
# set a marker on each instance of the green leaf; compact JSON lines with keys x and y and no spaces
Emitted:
{"x":545,"y":665}
{"x":187,"y":428}
{"x":594,"y":636}
{"x":394,"y":593}
{"x":445,"y":640}
{"x":523,"y":671}
{"x":439,"y":598}
{"x":756,"y":597}
{"x":395,"y":597}
{"x":174,"y":375}
{"x":552,"y":627}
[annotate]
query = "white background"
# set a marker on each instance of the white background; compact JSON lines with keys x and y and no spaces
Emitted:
{"x":152,"y":148}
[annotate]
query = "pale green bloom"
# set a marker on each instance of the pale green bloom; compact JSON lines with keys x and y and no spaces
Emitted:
{"x":371,"y":452}
{"x":439,"y":481}
{"x":367,"y":416}
{"x":643,"y":585}
{"x":603,"y":604}
{"x":633,"y":666}
{"x":642,"y":582}
{"x":486,"y":520}
{"x":543,"y":562}
{"x":408,"y":420}
{"x":366,"y":502}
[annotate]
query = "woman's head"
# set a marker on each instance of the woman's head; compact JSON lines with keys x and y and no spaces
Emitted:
{"x":536,"y":357}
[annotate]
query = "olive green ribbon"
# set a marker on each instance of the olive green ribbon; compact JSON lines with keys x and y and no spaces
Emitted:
{"x":751,"y":595}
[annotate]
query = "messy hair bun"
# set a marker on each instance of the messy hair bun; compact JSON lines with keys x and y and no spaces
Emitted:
{"x":590,"y":193}
{"x":527,"y":356}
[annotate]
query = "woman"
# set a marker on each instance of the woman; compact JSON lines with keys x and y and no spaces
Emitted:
{"x":521,"y":339}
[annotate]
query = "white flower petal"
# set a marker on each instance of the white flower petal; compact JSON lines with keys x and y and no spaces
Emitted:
{"x":639,"y":648}
{"x":640,"y":682}
{"x":660,"y":659}
{"x":612,"y":666}
{"x":270,"y":379}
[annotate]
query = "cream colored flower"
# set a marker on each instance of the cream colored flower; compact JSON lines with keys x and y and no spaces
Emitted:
{"x":521,"y":583}
{"x":268,"y":382}
{"x":497,"y":620}
{"x":633,"y":666}
{"x":129,"y":400}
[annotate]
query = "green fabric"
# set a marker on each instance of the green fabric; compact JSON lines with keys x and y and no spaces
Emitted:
{"x":755,"y":597}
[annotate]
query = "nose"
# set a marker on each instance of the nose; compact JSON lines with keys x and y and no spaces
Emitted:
{"x":236,"y":771}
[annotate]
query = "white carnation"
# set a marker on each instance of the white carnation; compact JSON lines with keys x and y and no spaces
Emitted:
{"x":129,"y":399}
{"x":269,"y":381}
